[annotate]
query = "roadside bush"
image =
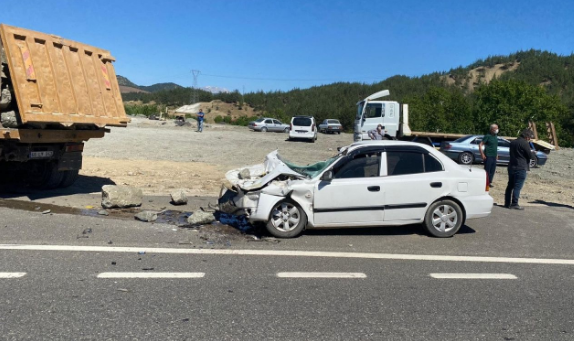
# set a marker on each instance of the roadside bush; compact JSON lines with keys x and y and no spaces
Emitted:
{"x":218,"y":119}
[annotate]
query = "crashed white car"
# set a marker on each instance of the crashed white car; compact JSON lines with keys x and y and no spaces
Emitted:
{"x":372,"y":183}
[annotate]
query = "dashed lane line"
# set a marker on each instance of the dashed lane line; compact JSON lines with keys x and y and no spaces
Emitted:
{"x":12,"y":274}
{"x":279,"y":253}
{"x":176,"y":275}
{"x":321,"y":275}
{"x":472,"y":276}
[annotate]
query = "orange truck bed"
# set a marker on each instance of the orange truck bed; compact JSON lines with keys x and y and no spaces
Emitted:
{"x":61,"y":82}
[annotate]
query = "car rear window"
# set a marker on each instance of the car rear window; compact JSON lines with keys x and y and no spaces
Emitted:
{"x":302,"y":121}
{"x":464,"y":138}
{"x":260,"y":120}
{"x":333,"y":121}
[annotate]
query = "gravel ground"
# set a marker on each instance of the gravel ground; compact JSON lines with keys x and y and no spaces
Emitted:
{"x":158,"y":156}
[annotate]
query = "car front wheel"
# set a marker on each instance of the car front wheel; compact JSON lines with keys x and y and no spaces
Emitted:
{"x":443,"y":219}
{"x":465,"y":158}
{"x":287,"y":220}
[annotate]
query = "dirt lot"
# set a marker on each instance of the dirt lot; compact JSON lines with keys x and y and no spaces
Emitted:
{"x":159,"y":157}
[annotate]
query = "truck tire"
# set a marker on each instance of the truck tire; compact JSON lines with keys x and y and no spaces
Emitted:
{"x":45,"y":176}
{"x":70,"y":176}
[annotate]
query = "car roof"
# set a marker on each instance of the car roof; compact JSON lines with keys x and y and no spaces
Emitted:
{"x":388,"y":143}
{"x":304,"y":116}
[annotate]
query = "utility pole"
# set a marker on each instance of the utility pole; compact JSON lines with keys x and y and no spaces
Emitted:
{"x":194,"y":91}
{"x":242,"y":97}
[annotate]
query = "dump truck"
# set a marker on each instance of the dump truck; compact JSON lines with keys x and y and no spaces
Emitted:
{"x":56,"y":94}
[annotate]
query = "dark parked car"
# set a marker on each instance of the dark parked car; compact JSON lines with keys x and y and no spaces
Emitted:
{"x":465,"y":151}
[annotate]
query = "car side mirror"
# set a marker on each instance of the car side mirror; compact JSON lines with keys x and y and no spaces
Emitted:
{"x":327,"y":176}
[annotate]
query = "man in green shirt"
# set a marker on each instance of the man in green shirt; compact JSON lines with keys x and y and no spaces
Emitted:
{"x":490,"y":153}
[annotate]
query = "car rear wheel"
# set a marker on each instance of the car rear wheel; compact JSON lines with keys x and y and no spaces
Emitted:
{"x":287,"y":220}
{"x":534,"y":163}
{"x":443,"y":219}
{"x":465,"y":158}
{"x":286,"y":130}
{"x":264,"y":130}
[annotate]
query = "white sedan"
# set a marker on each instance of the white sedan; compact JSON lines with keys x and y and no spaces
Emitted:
{"x":371,"y":183}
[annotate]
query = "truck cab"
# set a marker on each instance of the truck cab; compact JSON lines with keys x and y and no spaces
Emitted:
{"x":371,"y":113}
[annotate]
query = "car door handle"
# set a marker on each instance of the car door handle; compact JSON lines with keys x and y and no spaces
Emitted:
{"x":436,"y":184}
{"x":374,"y":188}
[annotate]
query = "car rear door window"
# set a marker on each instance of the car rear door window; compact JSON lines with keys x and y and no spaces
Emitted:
{"x":363,"y":165}
{"x":403,"y":163}
{"x":503,"y":143}
{"x":268,"y":122}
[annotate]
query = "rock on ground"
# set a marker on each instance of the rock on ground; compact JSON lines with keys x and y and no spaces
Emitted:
{"x":201,"y":218}
{"x":244,"y":174}
{"x":147,"y":216}
{"x":121,"y":196}
{"x":178,"y":197}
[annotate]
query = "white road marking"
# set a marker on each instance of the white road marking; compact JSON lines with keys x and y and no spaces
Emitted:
{"x":323,"y":254}
{"x":321,"y":275}
{"x":151,"y":275}
{"x":12,"y":274}
{"x":472,"y":276}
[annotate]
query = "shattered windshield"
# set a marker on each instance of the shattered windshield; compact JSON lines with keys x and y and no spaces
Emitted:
{"x":311,"y":170}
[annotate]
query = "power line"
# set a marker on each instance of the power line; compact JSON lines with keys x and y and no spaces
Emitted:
{"x":281,"y":79}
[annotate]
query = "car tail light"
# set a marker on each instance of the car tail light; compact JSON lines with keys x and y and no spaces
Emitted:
{"x":487,"y":186}
{"x":77,"y":147}
{"x":291,"y":126}
{"x":313,"y":128}
{"x":255,"y":124}
{"x":447,"y":146}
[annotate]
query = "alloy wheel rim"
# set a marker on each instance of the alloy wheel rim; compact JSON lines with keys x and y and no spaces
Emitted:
{"x":286,"y":217}
{"x":444,"y":218}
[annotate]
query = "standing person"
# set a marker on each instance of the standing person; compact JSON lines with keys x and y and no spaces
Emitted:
{"x":520,"y":156}
{"x":490,"y":153}
{"x":378,"y":134}
{"x":200,"y":116}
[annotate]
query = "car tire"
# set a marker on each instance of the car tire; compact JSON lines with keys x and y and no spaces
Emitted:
{"x":533,"y":163}
{"x":338,"y":133}
{"x":286,"y":130}
{"x":443,"y":219}
{"x":286,"y":211}
{"x":264,"y":130}
{"x":465,"y":158}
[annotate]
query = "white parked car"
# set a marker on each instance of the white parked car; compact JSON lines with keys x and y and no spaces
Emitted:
{"x":303,"y":127}
{"x":371,"y":183}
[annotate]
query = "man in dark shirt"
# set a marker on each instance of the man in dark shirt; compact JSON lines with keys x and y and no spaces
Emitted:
{"x":490,"y":154}
{"x":520,"y":156}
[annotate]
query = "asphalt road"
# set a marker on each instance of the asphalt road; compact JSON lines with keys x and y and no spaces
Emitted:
{"x":257,"y":293}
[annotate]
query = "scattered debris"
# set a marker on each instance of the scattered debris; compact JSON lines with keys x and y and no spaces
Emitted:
{"x":110,"y":242}
{"x":147,"y":216}
{"x":121,"y":196}
{"x":46,"y":211}
{"x":87,"y":230}
{"x":200,"y":218}
{"x":141,"y":252}
{"x":103,"y":212}
{"x":178,"y":197}
{"x":123,"y":290}
{"x":114,"y":263}
{"x":148,"y":269}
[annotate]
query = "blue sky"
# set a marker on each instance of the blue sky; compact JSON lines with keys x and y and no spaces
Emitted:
{"x":281,"y":45}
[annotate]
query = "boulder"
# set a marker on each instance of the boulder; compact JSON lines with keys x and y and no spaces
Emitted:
{"x":121,"y":196}
{"x":178,"y":197}
{"x":244,"y":174}
{"x":147,"y":216}
{"x":201,"y":218}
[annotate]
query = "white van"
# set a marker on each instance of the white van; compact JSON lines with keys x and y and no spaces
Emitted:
{"x":303,"y":127}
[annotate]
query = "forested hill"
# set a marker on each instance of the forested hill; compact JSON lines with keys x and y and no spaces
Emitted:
{"x":510,"y":90}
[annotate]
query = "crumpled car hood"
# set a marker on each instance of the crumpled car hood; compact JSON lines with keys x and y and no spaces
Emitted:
{"x":261,"y":174}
